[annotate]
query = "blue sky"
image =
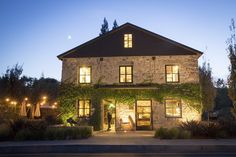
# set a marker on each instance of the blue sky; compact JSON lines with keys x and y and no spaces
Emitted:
{"x":34,"y":32}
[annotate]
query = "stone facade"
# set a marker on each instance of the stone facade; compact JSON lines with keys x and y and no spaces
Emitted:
{"x":146,"y":69}
{"x":160,"y":119}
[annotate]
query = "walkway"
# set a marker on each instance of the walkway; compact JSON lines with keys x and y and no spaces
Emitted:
{"x":121,"y":142}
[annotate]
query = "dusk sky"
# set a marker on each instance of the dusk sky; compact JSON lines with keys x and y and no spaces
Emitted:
{"x":34,"y":32}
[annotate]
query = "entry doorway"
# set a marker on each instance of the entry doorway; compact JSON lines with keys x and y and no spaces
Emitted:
{"x":109,"y":106}
{"x":144,"y":115}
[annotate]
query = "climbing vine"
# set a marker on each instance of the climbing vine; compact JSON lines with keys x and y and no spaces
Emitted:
{"x":69,"y":93}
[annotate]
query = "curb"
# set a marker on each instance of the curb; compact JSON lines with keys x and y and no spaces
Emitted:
{"x":117,"y":149}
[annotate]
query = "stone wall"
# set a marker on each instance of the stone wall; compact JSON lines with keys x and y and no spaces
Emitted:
{"x":146,"y":69}
{"x":160,"y":119}
{"x":123,"y":111}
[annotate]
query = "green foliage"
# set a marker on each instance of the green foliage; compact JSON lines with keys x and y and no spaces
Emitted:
{"x":172,"y":133}
{"x":208,"y":91}
{"x":69,"y":93}
{"x":205,"y":129}
{"x":6,"y":133}
{"x":232,"y":68}
{"x":62,"y":133}
{"x":25,"y":134}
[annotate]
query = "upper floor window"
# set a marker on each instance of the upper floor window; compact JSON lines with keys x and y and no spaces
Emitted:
{"x":85,"y":75}
{"x":84,"y":108}
{"x":126,"y":74}
{"x":173,"y":108}
{"x":128,"y":41}
{"x":172,"y":73}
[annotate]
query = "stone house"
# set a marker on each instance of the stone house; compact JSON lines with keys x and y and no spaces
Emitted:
{"x":130,"y":57}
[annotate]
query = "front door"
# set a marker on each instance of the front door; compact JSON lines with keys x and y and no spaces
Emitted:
{"x":109,"y":107}
{"x":143,"y":114}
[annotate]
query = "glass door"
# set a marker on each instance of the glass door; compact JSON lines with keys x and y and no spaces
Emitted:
{"x":143,"y":115}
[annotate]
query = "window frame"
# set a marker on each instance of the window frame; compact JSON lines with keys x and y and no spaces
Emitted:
{"x":78,"y":108}
{"x":126,"y":73}
{"x":129,"y":40}
{"x":78,"y":77}
{"x":168,"y":116}
{"x":171,"y":73}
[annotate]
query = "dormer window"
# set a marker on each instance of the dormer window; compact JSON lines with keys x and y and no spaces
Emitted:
{"x":128,"y":42}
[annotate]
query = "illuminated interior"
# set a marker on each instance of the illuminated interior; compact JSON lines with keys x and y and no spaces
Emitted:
{"x":172,"y":73}
{"x":126,"y":74}
{"x":85,"y":75}
{"x":128,"y":41}
{"x":143,"y":113}
{"x":84,"y":108}
{"x":173,"y":108}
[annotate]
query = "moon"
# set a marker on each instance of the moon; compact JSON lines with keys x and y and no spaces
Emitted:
{"x":69,"y":37}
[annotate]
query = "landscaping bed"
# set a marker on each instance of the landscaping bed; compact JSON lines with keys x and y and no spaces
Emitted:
{"x":22,"y":130}
{"x":198,"y":130}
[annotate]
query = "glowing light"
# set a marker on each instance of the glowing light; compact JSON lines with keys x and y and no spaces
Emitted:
{"x":13,"y":102}
{"x":28,"y":105}
{"x":44,"y":97}
{"x":53,"y":106}
{"x":26,"y":98}
{"x":7,"y":99}
{"x":55,"y":103}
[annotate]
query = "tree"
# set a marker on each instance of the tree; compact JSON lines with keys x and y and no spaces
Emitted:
{"x":104,"y":28}
{"x":115,"y":25}
{"x":220,"y":83}
{"x":208,"y":91}
{"x":232,"y":57}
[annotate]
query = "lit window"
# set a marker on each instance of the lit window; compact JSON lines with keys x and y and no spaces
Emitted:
{"x":172,"y":73}
{"x":173,"y":108}
{"x":128,"y":42}
{"x":126,"y":74}
{"x":84,"y":108}
{"x":85,"y":75}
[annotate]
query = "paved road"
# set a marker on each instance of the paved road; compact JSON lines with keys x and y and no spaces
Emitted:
{"x":124,"y":155}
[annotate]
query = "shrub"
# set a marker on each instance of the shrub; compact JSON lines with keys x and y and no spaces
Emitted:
{"x":17,"y":125}
{"x":6,"y":132}
{"x":184,"y":134}
{"x":51,"y":120}
{"x":192,"y":126}
{"x":204,"y":129}
{"x":61,"y":133}
{"x":25,"y":134}
{"x":161,"y":132}
{"x":173,"y":133}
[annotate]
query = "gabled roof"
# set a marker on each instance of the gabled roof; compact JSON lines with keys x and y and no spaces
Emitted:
{"x":145,"y":43}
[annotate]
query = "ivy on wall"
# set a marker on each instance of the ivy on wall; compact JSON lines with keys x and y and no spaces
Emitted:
{"x":69,"y":93}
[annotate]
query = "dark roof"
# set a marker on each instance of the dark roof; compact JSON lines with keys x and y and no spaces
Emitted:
{"x":145,"y":43}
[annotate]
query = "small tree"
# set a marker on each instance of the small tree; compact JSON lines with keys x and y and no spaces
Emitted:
{"x":208,"y":91}
{"x":104,"y":28}
{"x":115,"y":25}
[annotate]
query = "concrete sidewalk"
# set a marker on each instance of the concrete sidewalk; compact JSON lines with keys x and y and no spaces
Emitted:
{"x":121,"y":142}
